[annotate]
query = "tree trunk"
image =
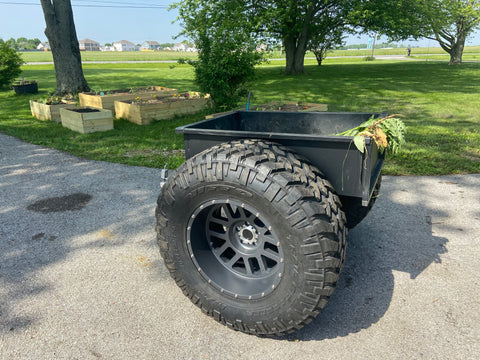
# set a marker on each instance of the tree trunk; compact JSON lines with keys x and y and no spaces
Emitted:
{"x":295,"y":55}
{"x":296,"y":46}
{"x":456,"y":51}
{"x":320,"y":54}
{"x":62,"y":36}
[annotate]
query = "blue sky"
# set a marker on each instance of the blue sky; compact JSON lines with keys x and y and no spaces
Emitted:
{"x":109,"y":24}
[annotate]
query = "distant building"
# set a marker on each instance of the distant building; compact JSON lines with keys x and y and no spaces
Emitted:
{"x":45,"y":46}
{"x":88,"y":45}
{"x":180,"y":47}
{"x":262,"y":47}
{"x":124,"y":45}
{"x":150,"y":45}
{"x":107,"y":48}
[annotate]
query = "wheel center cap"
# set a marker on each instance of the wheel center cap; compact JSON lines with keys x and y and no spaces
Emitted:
{"x":248,"y":234}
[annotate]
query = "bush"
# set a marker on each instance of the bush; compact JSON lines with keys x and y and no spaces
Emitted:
{"x":10,"y":63}
{"x":226,"y":48}
{"x":224,"y":74}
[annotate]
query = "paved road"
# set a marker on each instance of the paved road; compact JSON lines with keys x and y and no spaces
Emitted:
{"x":82,"y":278}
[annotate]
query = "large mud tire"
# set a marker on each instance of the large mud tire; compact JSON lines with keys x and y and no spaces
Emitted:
{"x":253,"y":235}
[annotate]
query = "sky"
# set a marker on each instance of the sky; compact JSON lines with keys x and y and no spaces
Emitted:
{"x":137,"y":21}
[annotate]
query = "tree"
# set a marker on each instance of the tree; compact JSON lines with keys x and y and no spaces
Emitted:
{"x":222,"y":33}
{"x":62,"y":37}
{"x":449,"y":22}
{"x":299,"y":24}
{"x":10,"y":63}
{"x":327,"y":35}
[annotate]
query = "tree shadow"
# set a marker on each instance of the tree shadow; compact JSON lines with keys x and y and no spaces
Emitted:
{"x":394,"y":237}
{"x":116,"y":206}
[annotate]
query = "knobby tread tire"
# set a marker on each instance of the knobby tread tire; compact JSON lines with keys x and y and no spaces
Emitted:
{"x":290,"y":191}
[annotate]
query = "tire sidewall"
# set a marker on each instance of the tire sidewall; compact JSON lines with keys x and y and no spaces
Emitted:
{"x":274,"y":305}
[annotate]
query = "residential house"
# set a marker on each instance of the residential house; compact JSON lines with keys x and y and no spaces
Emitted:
{"x":180,"y":47}
{"x":45,"y":46}
{"x":124,"y":45}
{"x":88,"y":45}
{"x":150,"y":45}
{"x":107,"y":48}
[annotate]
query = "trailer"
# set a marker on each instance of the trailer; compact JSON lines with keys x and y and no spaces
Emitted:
{"x":253,"y":225}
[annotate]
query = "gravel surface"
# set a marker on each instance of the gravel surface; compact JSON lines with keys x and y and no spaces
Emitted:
{"x":81,"y":276}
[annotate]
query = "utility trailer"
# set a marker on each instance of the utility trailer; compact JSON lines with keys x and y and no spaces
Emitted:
{"x":253,"y":225}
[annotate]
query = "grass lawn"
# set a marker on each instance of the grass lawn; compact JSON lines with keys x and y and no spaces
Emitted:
{"x":440,"y":105}
{"x":40,"y":56}
{"x":43,"y":56}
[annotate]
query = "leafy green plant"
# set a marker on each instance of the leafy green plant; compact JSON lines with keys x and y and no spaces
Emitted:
{"x":226,"y":51}
{"x":388,"y":133}
{"x":10,"y":63}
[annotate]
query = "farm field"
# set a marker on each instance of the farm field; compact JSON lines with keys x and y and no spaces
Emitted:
{"x":439,"y":104}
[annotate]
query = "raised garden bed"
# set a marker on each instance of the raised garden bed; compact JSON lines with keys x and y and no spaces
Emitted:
{"x":143,"y":112}
{"x":279,"y":106}
{"x":289,"y":106}
{"x":85,"y":119}
{"x":25,"y":87}
{"x":49,"y":111}
{"x":106,"y":100}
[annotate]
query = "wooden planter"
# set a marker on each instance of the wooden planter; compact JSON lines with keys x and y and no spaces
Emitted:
{"x":278,"y":106}
{"x":25,"y":87}
{"x":144,"y":113}
{"x":49,"y":112}
{"x":107,"y":100}
{"x":289,"y":106}
{"x":84,"y":119}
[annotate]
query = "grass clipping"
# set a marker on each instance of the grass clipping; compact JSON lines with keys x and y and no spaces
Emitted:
{"x":388,"y":133}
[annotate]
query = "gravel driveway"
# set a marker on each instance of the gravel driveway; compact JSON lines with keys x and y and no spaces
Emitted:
{"x":81,"y":276}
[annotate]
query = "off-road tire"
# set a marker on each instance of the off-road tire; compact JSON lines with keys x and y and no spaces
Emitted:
{"x":281,"y":211}
{"x":355,"y":211}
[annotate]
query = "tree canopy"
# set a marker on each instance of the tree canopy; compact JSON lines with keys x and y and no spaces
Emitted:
{"x":449,"y":22}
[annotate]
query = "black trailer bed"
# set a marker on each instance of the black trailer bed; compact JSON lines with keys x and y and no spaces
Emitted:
{"x":311,"y":134}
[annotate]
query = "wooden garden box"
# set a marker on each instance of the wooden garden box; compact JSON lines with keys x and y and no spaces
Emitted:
{"x":289,"y":106}
{"x":107,"y":100}
{"x":144,"y":112}
{"x":84,"y":119}
{"x":49,"y":112}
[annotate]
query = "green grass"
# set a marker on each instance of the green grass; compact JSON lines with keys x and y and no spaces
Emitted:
{"x":439,"y":103}
{"x":40,"y":56}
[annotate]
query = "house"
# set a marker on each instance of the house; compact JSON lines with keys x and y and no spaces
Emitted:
{"x":45,"y":46}
{"x":150,"y":45}
{"x":180,"y":47}
{"x":124,"y":45}
{"x":107,"y":48}
{"x":88,"y":45}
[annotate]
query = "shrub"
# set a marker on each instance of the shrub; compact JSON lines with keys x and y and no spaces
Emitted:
{"x":226,"y":48}
{"x":10,"y":63}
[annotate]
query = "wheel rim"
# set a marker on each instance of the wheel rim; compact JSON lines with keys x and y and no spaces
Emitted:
{"x":235,"y":249}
